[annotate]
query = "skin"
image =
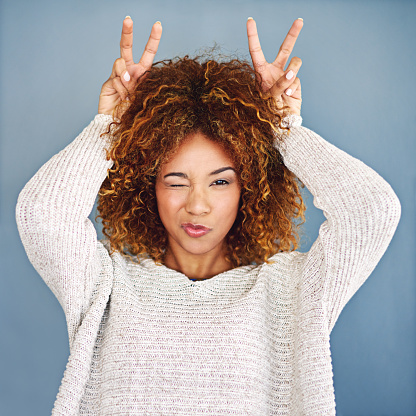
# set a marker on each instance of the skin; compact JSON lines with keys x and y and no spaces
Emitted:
{"x":198,"y":186}
{"x":187,"y":191}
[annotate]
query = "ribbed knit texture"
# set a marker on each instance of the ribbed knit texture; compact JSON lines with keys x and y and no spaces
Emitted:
{"x":145,"y":340}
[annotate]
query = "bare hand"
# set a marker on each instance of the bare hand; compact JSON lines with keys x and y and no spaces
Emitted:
{"x":125,"y":74}
{"x":282,"y":84}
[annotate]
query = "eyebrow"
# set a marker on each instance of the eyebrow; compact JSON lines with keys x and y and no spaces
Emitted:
{"x":185,"y":176}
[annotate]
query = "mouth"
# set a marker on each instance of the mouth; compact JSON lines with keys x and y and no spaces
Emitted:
{"x":195,"y":230}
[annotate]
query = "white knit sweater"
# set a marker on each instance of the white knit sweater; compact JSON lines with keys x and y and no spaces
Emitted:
{"x":145,"y":340}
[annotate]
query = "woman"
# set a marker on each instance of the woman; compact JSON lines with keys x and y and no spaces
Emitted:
{"x":198,"y":303}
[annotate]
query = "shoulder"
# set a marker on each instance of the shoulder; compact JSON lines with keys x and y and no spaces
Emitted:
{"x":285,"y":268}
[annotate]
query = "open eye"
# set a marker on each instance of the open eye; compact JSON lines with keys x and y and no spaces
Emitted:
{"x":220,"y":182}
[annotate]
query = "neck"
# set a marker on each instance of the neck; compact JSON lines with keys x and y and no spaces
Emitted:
{"x":197,"y":267}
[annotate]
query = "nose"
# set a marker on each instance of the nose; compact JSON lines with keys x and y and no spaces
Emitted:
{"x":197,"y":202}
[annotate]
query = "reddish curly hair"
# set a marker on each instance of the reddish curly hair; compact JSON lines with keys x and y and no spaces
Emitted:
{"x":223,"y":101}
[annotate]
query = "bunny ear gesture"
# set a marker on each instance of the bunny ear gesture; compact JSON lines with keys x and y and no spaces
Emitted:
{"x":282,"y":84}
{"x":126,"y":49}
{"x":125,"y":73}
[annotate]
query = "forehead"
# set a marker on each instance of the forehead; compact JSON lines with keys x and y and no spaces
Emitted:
{"x":198,"y":152}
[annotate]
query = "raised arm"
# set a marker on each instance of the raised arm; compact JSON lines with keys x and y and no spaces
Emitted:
{"x":53,"y":208}
{"x":52,"y":218}
{"x":361,"y":209}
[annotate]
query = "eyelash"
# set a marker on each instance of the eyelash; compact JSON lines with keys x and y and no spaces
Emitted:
{"x":224,"y":182}
{"x":218,"y":182}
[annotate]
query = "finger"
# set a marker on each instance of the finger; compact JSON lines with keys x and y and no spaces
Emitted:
{"x":288,"y":44}
{"x":126,"y":41}
{"x":254,"y":46}
{"x":288,"y":78}
{"x":294,"y":89}
{"x":120,"y":88}
{"x":120,"y":70}
{"x":298,"y":93}
{"x":293,"y":68}
{"x":151,"y":47}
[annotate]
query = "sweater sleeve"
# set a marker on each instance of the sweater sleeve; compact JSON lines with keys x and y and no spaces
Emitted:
{"x":52,"y":218}
{"x":361,"y":210}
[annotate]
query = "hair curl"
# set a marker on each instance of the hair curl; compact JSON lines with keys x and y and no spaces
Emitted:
{"x":223,"y":101}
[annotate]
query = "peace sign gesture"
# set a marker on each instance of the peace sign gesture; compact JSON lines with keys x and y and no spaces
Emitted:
{"x":126,"y":73}
{"x":282,"y":84}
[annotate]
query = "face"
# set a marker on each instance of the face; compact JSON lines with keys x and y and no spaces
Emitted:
{"x":198,"y":196}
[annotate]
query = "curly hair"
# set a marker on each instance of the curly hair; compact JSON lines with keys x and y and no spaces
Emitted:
{"x":223,"y":101}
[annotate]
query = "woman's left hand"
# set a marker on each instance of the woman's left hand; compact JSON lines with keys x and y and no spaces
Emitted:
{"x":283,"y":85}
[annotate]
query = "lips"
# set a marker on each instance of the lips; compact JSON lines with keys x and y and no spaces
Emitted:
{"x":195,"y":230}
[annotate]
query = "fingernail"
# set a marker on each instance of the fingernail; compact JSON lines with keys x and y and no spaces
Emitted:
{"x":299,"y":18}
{"x":159,"y":22}
{"x":289,"y":92}
{"x":126,"y":76}
{"x":290,"y":74}
{"x":250,"y":18}
{"x":127,"y":17}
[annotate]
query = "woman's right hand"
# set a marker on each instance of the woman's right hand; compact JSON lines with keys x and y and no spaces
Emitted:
{"x":125,"y":74}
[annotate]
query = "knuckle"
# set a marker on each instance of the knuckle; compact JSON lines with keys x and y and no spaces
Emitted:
{"x":125,"y":44}
{"x":119,"y":63}
{"x":255,"y":49}
{"x":281,"y":84}
{"x":151,"y":50}
{"x":285,"y":50}
{"x":116,"y":82}
{"x":154,"y":38}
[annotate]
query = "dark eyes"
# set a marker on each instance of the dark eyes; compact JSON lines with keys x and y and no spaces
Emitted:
{"x":220,"y":182}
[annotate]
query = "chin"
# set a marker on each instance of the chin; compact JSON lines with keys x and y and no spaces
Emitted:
{"x":197,"y":249}
{"x":197,"y":246}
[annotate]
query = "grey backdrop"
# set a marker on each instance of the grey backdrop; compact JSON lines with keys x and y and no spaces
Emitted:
{"x":358,"y":82}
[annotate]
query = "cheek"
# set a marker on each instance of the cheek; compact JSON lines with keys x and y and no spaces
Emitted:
{"x":229,"y":207}
{"x":168,"y":203}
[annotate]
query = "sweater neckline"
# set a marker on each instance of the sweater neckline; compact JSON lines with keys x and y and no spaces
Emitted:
{"x":171,"y":273}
